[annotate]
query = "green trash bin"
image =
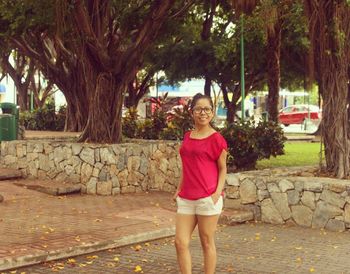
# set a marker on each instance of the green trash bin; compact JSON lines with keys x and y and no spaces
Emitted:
{"x":9,"y":121}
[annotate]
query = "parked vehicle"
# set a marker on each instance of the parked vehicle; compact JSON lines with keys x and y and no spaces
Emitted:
{"x":298,"y":114}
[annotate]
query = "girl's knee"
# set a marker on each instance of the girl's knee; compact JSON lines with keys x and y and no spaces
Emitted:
{"x":181,"y":244}
{"x":208,"y":242}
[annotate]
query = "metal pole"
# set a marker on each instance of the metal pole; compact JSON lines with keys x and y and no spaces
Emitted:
{"x":242,"y":68}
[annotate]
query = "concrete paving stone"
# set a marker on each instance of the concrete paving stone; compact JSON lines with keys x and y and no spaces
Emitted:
{"x":253,"y":248}
{"x":36,"y":226}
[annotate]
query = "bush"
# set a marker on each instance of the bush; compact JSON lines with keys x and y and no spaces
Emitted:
{"x":152,"y":127}
{"x":247,"y":143}
{"x":130,"y":126}
{"x":179,"y":121}
{"x":44,"y":118}
{"x":270,"y":139}
{"x":242,"y":149}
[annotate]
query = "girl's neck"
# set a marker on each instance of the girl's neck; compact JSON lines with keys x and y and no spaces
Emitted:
{"x":203,"y":129}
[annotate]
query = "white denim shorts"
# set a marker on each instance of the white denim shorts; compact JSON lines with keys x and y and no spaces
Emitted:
{"x":204,"y":206}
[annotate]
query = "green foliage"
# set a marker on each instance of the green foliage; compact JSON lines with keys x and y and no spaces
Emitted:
{"x":179,"y":121}
{"x":242,"y":149}
{"x":129,"y":123}
{"x":269,"y":139}
{"x":19,"y":16}
{"x":44,"y":118}
{"x":247,"y":143}
{"x":161,"y":125}
{"x":151,"y":128}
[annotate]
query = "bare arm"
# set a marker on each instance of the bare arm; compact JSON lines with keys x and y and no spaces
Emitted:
{"x":179,"y":185}
{"x":222,"y":175}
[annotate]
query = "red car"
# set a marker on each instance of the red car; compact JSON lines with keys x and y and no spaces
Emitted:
{"x":297,"y":114}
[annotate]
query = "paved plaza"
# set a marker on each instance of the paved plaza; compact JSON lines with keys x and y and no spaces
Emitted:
{"x":247,"y":249}
{"x":133,"y":233}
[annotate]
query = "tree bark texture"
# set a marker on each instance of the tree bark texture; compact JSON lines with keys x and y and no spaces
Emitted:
{"x":137,"y":90}
{"x":210,"y":7}
{"x":108,"y":70}
{"x":66,"y":72}
{"x":273,"y":69}
{"x":330,"y":20}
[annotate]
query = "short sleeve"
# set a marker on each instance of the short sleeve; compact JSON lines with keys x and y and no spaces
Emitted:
{"x":218,"y":146}
{"x":186,"y":135}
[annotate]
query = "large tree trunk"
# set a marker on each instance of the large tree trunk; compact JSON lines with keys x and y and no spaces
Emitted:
{"x":73,"y":86}
{"x":137,"y":90}
{"x":207,"y":86}
{"x":105,"y":113}
{"x":273,"y":70}
{"x":231,"y":106}
{"x":210,"y":7}
{"x":64,"y":69}
{"x":108,"y":69}
{"x":332,"y":18}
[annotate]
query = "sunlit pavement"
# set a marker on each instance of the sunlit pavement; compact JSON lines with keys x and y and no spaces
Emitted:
{"x":247,"y":248}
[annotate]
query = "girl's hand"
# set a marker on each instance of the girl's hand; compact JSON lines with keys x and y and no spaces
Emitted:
{"x":215,"y":196}
{"x":175,"y":195}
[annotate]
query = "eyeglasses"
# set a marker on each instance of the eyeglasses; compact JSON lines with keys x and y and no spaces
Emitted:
{"x":198,"y":110}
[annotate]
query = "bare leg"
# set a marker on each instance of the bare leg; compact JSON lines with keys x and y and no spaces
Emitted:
{"x":185,"y":225}
{"x":207,"y":227}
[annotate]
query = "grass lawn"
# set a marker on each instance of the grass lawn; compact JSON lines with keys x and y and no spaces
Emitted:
{"x":296,"y":154}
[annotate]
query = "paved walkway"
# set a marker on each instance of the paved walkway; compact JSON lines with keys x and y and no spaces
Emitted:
{"x":36,"y":227}
{"x":244,"y":249}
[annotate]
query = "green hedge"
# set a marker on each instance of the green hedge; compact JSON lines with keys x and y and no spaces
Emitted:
{"x":45,"y":118}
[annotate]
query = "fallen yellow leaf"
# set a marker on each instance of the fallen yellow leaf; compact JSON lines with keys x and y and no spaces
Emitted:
{"x":116,"y":259}
{"x":71,"y":261}
{"x":92,"y":257}
{"x":138,"y":268}
{"x":138,"y":248}
{"x":312,"y":269}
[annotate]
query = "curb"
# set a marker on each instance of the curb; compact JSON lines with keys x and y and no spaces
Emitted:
{"x":40,"y":257}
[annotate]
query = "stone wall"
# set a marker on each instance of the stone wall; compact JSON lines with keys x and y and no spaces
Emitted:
{"x":289,"y":195}
{"x":283,"y":196}
{"x":100,"y":169}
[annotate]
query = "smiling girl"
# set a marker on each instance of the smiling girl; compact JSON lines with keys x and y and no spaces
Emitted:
{"x":199,"y":194}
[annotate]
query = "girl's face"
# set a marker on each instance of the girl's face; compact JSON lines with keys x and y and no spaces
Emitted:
{"x":202,"y":112}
